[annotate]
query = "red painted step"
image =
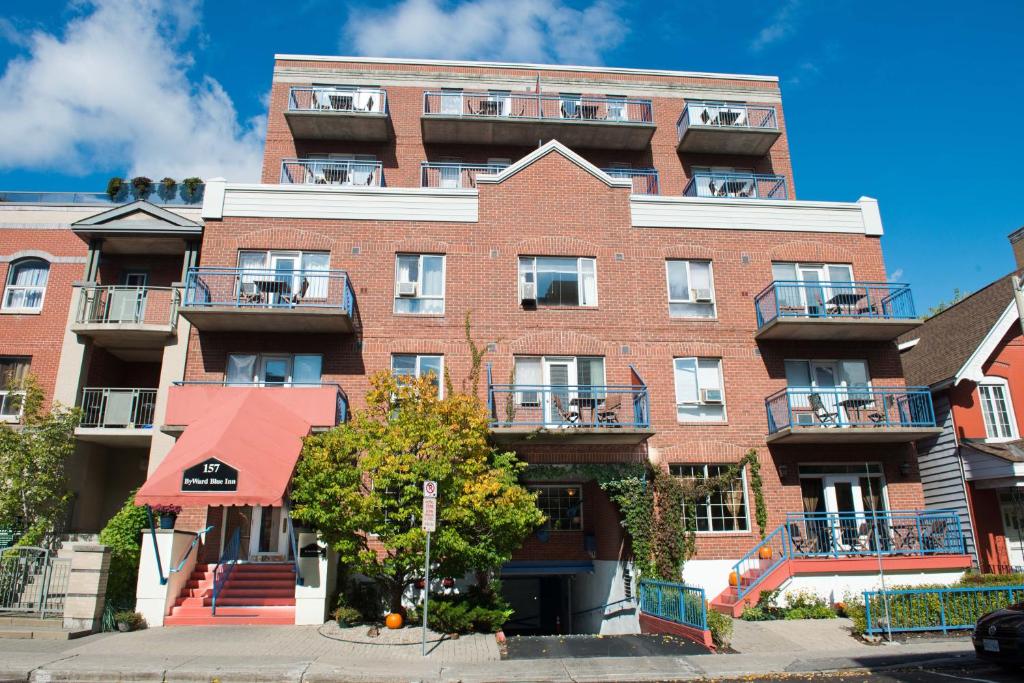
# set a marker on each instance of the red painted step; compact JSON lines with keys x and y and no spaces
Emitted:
{"x":231,"y":616}
{"x":253,"y":594}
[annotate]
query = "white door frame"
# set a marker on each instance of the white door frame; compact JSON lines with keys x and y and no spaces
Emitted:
{"x":255,"y":529}
{"x":551,"y":415}
{"x":1014,"y":534}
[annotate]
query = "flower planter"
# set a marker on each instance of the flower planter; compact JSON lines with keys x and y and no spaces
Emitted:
{"x":123,"y":627}
{"x":167,"y":521}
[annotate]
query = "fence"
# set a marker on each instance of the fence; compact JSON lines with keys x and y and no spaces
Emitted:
{"x":718,"y":115}
{"x":344,"y":100}
{"x":736,"y":186}
{"x":33,"y":581}
{"x":852,"y":406}
{"x":454,"y":175}
{"x":588,"y":406}
{"x":645,"y":180}
{"x":126,"y":304}
{"x":130,"y":408}
{"x":340,"y":173}
{"x":674,"y":602}
{"x":269,"y":288}
{"x":537,"y":106}
{"x":834,"y":301}
{"x":934,"y":609}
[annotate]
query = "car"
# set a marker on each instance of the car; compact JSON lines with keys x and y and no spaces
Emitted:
{"x":999,"y":636}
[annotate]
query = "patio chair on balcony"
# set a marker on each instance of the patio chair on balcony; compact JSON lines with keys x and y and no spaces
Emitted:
{"x":824,"y":415}
{"x":800,"y":543}
{"x":880,"y":418}
{"x":608,"y":414}
{"x":935,"y":539}
{"x":296,"y":298}
{"x":249,"y":293}
{"x":569,"y":415}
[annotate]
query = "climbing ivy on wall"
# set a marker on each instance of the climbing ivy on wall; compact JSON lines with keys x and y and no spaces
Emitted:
{"x":650,"y":502}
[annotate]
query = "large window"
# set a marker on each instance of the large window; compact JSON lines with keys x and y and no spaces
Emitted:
{"x":26,"y":285}
{"x":568,"y":380}
{"x":419,"y":283}
{"x":691,"y":292}
{"x":841,"y":389}
{"x":415,"y":365}
{"x":724,"y":510}
{"x":699,"y":393}
{"x":562,"y":504}
{"x":810,"y":288}
{"x":558,"y":281}
{"x":302,"y":274}
{"x":267,"y":369}
{"x":12,"y":373}
{"x":997,"y":409}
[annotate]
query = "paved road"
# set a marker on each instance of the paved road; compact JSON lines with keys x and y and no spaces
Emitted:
{"x":560,"y":647}
{"x":974,"y":672}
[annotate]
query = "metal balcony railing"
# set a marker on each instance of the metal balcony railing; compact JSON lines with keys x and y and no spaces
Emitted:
{"x":834,"y":300}
{"x":342,"y":173}
{"x":342,"y":100}
{"x":455,"y":175}
{"x":266,"y":288}
{"x":736,"y":186}
{"x":120,"y":304}
{"x":719,"y":115}
{"x":537,"y":106}
{"x":118,"y":408}
{"x":853,"y":406}
{"x":645,"y":180}
{"x":341,"y":408}
{"x":176,"y":195}
{"x":676,"y":602}
{"x":569,"y":406}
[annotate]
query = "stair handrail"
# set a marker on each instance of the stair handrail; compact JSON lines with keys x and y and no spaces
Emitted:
{"x":188,"y":551}
{"x":295,"y":551}
{"x":228,"y":559}
{"x":781,"y":533}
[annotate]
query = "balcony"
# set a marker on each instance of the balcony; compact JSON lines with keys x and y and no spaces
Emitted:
{"x":320,"y":113}
{"x":856,"y":311}
{"x":523,"y":119}
{"x":338,"y":173}
{"x":454,"y":175}
{"x":257,"y":300}
{"x":736,"y":186}
{"x":717,"y":128}
{"x":645,"y":180}
{"x":117,"y":417}
{"x":819,"y":415}
{"x":133,"y":323}
{"x":580,"y":414}
{"x":323,"y":404}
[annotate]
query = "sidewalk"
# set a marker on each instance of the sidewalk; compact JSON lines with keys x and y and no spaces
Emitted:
{"x":304,"y":654}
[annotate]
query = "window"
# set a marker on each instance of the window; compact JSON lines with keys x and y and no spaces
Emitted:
{"x":451,"y":101}
{"x":724,"y":510}
{"x":579,"y":372}
{"x":616,"y":105}
{"x":570,"y":105}
{"x":691,"y":292}
{"x":12,"y":373}
{"x":413,"y":365}
{"x":808,"y":287}
{"x":562,"y":505}
{"x":843,"y":386}
{"x":300,"y":369}
{"x":558,"y":281}
{"x":297,"y":269}
{"x":699,"y":394}
{"x":26,"y":285}
{"x":997,"y":409}
{"x":419,"y":283}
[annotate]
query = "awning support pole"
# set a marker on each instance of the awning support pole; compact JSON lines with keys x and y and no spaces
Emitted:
{"x":156,"y":548}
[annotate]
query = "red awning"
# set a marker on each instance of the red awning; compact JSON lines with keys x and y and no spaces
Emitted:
{"x":249,"y":431}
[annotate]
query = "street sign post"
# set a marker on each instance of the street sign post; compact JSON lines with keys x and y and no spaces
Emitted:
{"x":429,"y":525}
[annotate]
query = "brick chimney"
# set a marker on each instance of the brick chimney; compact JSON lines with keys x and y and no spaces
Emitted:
{"x":1017,"y":242}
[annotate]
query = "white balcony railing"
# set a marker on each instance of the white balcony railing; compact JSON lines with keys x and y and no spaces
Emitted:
{"x":340,"y":172}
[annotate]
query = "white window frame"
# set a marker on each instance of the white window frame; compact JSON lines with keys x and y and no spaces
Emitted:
{"x":419,"y":283}
{"x":418,"y":372}
{"x":990,"y":429}
{"x":9,"y":287}
{"x":4,"y":393}
{"x":689,"y":280}
{"x":706,"y":504}
{"x":699,"y":402}
{"x":258,"y":378}
{"x":579,"y":279}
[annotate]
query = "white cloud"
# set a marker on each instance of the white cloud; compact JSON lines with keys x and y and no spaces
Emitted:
{"x":896,"y":275}
{"x":518,"y":30}
{"x":112,"y":90}
{"x":782,"y":25}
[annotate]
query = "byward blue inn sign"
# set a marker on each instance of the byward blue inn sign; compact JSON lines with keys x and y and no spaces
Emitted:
{"x":209,"y":475}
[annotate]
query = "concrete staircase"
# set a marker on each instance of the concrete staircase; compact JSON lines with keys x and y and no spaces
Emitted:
{"x":758,"y":579}
{"x":34,"y":628}
{"x":258,"y":593}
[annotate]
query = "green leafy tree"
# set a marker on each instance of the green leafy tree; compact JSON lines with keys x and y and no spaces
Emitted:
{"x":943,"y":305}
{"x":361,"y":486}
{"x":34,"y":491}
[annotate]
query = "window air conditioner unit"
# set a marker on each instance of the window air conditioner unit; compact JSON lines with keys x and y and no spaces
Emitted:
{"x":406,"y":289}
{"x":701,"y":296}
{"x":711,"y":395}
{"x":528,"y":293}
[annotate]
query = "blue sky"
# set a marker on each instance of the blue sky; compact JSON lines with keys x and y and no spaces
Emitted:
{"x":918,"y":104}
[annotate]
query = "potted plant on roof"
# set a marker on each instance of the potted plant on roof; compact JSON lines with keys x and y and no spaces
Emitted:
{"x":168,"y":514}
{"x":191,"y":189}
{"x":114,"y":188}
{"x":167,"y":189}
{"x":141,"y":187}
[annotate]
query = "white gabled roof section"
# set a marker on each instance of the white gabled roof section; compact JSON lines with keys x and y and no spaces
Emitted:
{"x":553,"y":147}
{"x":972,"y":367}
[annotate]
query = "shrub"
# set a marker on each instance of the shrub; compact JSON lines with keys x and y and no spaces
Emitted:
{"x":133,"y":620}
{"x":720,"y":626}
{"x":347,"y":616}
{"x":478,"y":610}
{"x":973,"y":579}
{"x":123,"y":534}
{"x":799,"y":605}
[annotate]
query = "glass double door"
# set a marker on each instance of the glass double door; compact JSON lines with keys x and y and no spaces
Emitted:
{"x":840,"y":511}
{"x":262,"y":530}
{"x":816,"y":289}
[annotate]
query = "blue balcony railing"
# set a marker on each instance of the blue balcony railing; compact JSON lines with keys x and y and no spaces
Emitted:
{"x":251,"y":288}
{"x":676,"y":602}
{"x":853,"y":406}
{"x":645,"y":180}
{"x":834,"y":300}
{"x":338,"y":172}
{"x":520,"y":105}
{"x":869,"y":533}
{"x":736,"y":186}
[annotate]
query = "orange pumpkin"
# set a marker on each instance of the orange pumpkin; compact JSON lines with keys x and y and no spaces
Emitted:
{"x":765,"y":553}
{"x":733,"y":579}
{"x":393,"y":620}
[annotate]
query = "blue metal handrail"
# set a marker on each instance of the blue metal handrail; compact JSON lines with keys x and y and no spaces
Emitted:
{"x":334,"y":172}
{"x":520,"y":105}
{"x":934,"y":609}
{"x":188,"y":551}
{"x":722,"y":115}
{"x":736,"y":186}
{"x":222,"y":572}
{"x":850,"y":406}
{"x":365,"y":101}
{"x":645,"y":180}
{"x":577,"y":405}
{"x":834,"y":301}
{"x":674,"y":602}
{"x":252,"y":288}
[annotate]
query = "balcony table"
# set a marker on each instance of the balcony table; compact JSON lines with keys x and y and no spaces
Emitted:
{"x":844,"y":301}
{"x":273,"y":290}
{"x":490,"y":108}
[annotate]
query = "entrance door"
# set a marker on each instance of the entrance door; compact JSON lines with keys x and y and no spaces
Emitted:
{"x":269,"y":534}
{"x":1012,"y":507}
{"x":844,"y":501}
{"x":560,"y":376}
{"x":285,"y":267}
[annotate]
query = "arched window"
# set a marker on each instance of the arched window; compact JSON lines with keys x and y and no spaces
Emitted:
{"x":26,"y":285}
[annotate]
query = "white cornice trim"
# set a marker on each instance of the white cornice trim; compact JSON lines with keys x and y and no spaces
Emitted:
{"x":971,"y":369}
{"x":553,"y":146}
{"x":907,"y":345}
{"x":515,"y":65}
